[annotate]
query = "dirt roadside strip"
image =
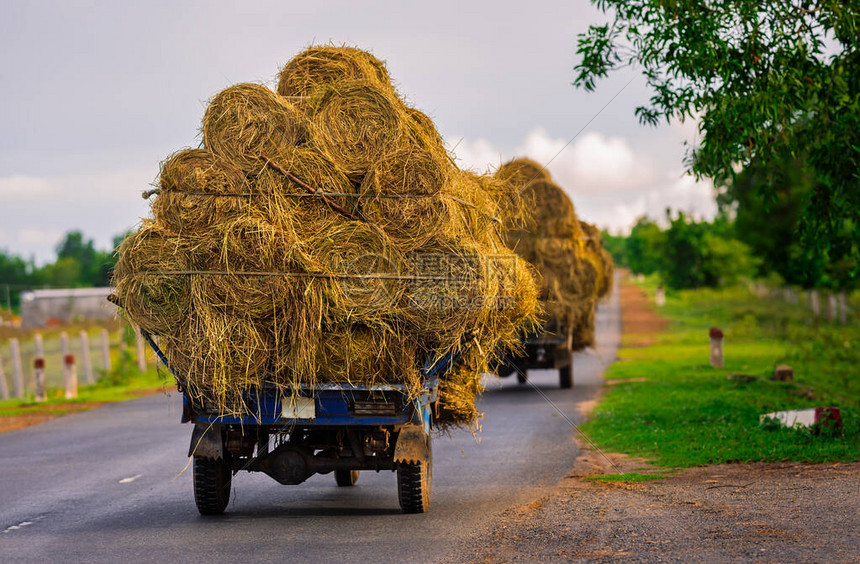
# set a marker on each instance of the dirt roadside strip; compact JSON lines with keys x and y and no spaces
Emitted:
{"x":761,"y":512}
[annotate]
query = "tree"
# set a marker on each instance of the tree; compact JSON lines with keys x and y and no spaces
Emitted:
{"x":644,"y":247}
{"x":769,"y":80}
{"x":697,"y":253}
{"x":770,"y":228}
{"x":83,"y":251}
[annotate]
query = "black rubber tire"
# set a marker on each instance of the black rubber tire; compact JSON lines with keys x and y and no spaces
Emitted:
{"x":522,"y":376}
{"x":212,"y":485}
{"x":346,"y":478}
{"x":415,"y":486}
{"x":565,"y":377}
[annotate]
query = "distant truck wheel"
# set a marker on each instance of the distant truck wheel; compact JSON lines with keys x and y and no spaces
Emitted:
{"x":212,"y":485}
{"x":565,"y":377}
{"x":415,"y":486}
{"x":346,"y":478}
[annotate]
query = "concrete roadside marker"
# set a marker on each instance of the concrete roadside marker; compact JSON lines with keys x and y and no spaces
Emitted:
{"x":660,"y":298}
{"x":805,"y":418}
{"x":783,"y":373}
{"x":716,"y":337}
{"x":70,"y":376}
{"x":39,"y":369}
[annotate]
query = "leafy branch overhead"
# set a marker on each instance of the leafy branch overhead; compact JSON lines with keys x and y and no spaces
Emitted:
{"x":770,"y":81}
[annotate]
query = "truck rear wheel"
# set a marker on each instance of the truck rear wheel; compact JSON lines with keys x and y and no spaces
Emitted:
{"x":415,"y":485}
{"x":565,"y":377}
{"x":346,"y":478}
{"x":212,"y":485}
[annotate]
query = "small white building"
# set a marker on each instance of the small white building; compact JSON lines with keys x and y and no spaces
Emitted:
{"x":48,"y":307}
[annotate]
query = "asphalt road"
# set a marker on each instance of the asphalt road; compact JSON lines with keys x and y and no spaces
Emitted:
{"x":108,"y":485}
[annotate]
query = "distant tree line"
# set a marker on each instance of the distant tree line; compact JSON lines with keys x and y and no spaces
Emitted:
{"x":751,"y":237}
{"x":79,"y":264}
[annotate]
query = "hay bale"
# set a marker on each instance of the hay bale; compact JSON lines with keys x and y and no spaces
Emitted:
{"x":359,"y":354}
{"x":290,"y":202}
{"x":403,"y":194}
{"x":190,"y":183}
{"x":281,"y":289}
{"x":600,"y":257}
{"x":324,"y":65}
{"x":247,"y":120}
{"x":154,"y":300}
{"x":522,"y":172}
{"x":355,"y":123}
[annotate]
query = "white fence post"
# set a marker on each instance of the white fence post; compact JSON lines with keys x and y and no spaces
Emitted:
{"x":17,"y":367}
{"x":660,"y":298}
{"x":843,"y":308}
{"x":106,"y":350}
{"x":815,"y":302}
{"x":141,"y":351}
{"x":4,"y":387}
{"x":85,"y":357}
{"x":831,"y":306}
{"x":39,"y":369}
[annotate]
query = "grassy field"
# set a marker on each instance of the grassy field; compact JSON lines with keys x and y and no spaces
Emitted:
{"x":667,"y":404}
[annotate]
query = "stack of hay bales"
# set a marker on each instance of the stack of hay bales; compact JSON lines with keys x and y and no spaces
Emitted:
{"x":575,"y":269}
{"x":322,"y":234}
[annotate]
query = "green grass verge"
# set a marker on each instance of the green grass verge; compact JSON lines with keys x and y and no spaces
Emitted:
{"x":686,"y":413}
{"x":624,"y":477}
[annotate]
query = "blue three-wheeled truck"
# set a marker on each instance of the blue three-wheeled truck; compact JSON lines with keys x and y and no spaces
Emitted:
{"x":340,"y":429}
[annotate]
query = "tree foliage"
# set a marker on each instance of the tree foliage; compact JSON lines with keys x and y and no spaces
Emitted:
{"x":770,"y":81}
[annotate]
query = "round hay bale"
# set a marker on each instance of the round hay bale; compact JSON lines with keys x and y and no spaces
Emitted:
{"x":424,"y":135}
{"x":314,"y":169}
{"x":224,"y":356}
{"x":402,"y":194}
{"x":363,"y":270}
{"x":355,"y":123}
{"x":153,"y":300}
{"x":325,"y":65}
{"x":246,"y":120}
{"x":448,"y":293}
{"x":552,"y":210}
{"x":593,"y":243}
{"x":522,"y":171}
{"x":250,"y":260}
{"x":187,"y":177}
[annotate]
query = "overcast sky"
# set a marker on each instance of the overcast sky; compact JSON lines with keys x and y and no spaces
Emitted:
{"x":94,"y":94}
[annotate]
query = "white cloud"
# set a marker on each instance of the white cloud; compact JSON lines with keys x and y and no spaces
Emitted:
{"x":22,"y":188}
{"x":37,"y":211}
{"x":39,"y":237}
{"x":610,"y":182}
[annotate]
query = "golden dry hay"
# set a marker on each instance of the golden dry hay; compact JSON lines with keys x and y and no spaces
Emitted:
{"x":402,"y":262}
{"x":323,"y":65}
{"x":245,"y":121}
{"x":358,"y":354}
{"x":403,"y":194}
{"x":522,"y":172}
{"x":355,"y":123}
{"x":602,"y":258}
{"x":187,"y":180}
{"x":156,"y":302}
{"x":313,"y":169}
